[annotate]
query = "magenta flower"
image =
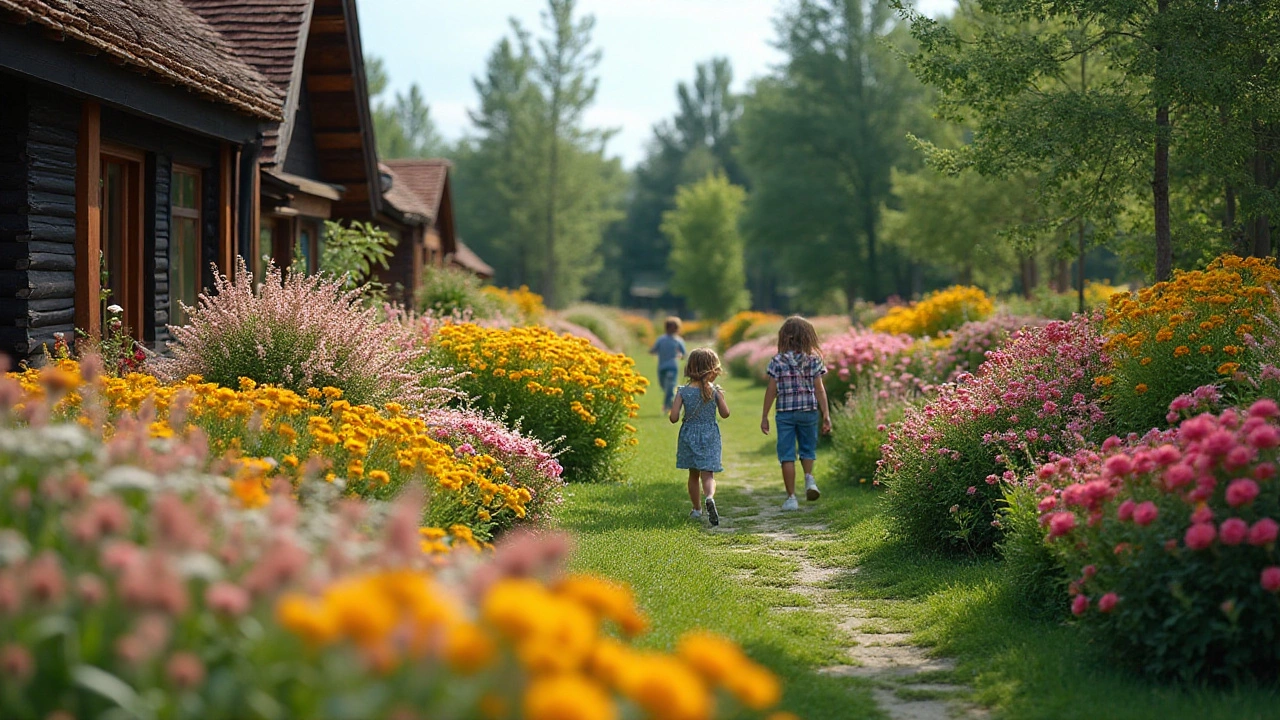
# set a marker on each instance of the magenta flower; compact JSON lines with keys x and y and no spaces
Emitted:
{"x":1233,"y":531}
{"x":1079,"y":605}
{"x":1107,"y":602}
{"x":1200,"y":536}
{"x":1263,"y":532}
{"x":1241,"y":492}
{"x":1145,"y":513}
{"x":1061,"y":523}
{"x":1271,"y":578}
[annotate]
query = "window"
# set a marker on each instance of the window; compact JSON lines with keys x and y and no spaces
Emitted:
{"x":309,"y":244}
{"x":184,"y":243}
{"x":121,"y":187}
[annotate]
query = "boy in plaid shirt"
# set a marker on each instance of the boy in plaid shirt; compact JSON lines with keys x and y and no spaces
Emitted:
{"x":795,"y":381}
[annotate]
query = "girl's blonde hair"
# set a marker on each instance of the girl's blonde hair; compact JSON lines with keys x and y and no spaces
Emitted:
{"x":797,"y":335}
{"x":701,"y":365}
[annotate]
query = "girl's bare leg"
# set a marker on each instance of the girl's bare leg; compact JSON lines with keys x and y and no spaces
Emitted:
{"x":708,"y":484}
{"x":695,"y":492}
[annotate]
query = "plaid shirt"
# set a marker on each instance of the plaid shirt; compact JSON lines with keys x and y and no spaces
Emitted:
{"x":795,"y":374}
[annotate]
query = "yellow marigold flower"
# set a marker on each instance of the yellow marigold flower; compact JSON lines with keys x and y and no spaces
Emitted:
{"x":665,"y":687}
{"x":468,"y":649}
{"x":249,"y":492}
{"x":567,"y":697}
{"x":1206,"y":349}
{"x":1230,"y":349}
{"x":1140,"y":388}
{"x":1164,"y":335}
{"x":1181,"y":350}
{"x":381,"y":477}
{"x":306,"y":618}
{"x":1228,"y":368}
{"x":290,"y":460}
{"x":1104,"y":380}
{"x":247,"y":384}
{"x":1145,"y":361}
{"x":332,"y":393}
{"x":600,"y":442}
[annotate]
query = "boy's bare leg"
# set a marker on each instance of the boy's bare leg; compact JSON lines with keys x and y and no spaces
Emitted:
{"x":789,"y":476}
{"x":808,"y":467}
{"x":695,"y":492}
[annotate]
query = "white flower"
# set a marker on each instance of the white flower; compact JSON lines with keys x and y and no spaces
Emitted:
{"x":115,"y":309}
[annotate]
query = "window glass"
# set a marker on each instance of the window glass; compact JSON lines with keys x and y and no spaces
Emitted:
{"x":184,"y":244}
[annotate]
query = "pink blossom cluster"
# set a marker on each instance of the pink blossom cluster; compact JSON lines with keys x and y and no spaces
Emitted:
{"x":861,"y":359}
{"x":970,"y":343}
{"x":750,"y":358}
{"x":526,"y":459}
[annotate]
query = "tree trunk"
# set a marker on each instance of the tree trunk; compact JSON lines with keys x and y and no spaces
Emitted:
{"x":1160,"y":178}
{"x":1229,"y":220}
{"x":1080,"y":262}
{"x":873,"y":270}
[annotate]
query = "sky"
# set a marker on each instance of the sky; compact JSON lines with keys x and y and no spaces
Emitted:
{"x":648,"y":47}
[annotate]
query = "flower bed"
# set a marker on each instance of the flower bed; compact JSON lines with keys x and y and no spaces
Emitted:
{"x":860,"y":357}
{"x":937,"y":312}
{"x":1171,"y":543}
{"x":944,"y":462}
{"x":134,"y":584}
{"x":560,"y":388}
{"x":967,"y":346}
{"x":734,"y":330}
{"x":1201,"y":327}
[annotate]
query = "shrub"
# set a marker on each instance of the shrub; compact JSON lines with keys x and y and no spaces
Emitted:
{"x":943,"y":463}
{"x":1171,"y":543}
{"x":560,"y":388}
{"x":445,"y":291}
{"x":733,"y":331}
{"x":522,"y":304}
{"x":967,"y":346}
{"x":750,"y":358}
{"x":352,"y":255}
{"x":603,"y":322}
{"x":296,"y":332}
{"x":136,"y":586}
{"x":643,"y":330}
{"x":937,"y":312}
{"x":1199,"y":328}
{"x":859,"y":427}
{"x":861,"y":357}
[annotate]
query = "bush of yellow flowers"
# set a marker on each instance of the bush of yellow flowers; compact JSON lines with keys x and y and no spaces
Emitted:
{"x":370,"y":452}
{"x":937,"y":312}
{"x":1203,"y":327}
{"x":734,"y":330}
{"x":560,"y":388}
{"x":521,"y":305}
{"x":134,"y":583}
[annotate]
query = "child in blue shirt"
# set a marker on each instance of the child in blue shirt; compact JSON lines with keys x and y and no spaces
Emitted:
{"x":669,"y":348}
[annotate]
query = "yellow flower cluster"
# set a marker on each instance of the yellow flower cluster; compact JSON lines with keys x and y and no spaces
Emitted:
{"x":1099,"y":294}
{"x":937,"y":312}
{"x":558,"y":386}
{"x":734,"y":330}
{"x":376,"y":451}
{"x":523,"y":301}
{"x":1198,"y":327}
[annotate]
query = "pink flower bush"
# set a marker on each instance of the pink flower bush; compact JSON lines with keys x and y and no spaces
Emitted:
{"x":970,"y":343}
{"x":525,"y":459}
{"x":1033,"y":397}
{"x":750,"y":358}
{"x":1181,"y":524}
{"x":862,"y":358}
{"x":300,"y":332}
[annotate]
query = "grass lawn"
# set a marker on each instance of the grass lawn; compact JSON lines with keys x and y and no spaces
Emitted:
{"x":1019,"y":664}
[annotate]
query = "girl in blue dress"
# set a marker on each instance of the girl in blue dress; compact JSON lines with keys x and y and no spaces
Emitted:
{"x":698,"y":449}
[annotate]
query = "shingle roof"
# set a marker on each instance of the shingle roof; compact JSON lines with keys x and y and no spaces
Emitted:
{"x":163,"y":37}
{"x":404,"y":199}
{"x":269,"y":35}
{"x":424,"y":179}
{"x":466,"y":258}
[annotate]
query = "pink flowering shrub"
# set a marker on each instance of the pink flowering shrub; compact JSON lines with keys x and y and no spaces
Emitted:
{"x":969,"y":344}
{"x":298,"y":332}
{"x":750,"y":358}
{"x":1170,"y":544}
{"x":861,"y":357}
{"x":530,"y":465}
{"x":943,"y":464}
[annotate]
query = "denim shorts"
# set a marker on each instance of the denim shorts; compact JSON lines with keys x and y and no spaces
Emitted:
{"x":797,"y":427}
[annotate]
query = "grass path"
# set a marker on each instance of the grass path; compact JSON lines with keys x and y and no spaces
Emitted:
{"x":765,"y":578}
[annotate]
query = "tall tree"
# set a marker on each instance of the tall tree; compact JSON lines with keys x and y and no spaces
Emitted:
{"x":820,"y":138}
{"x":706,"y":247}
{"x":402,"y":124}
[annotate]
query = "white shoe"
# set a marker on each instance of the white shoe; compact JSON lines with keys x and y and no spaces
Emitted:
{"x":790,"y":503}
{"x":811,"y":491}
{"x":695,"y":514}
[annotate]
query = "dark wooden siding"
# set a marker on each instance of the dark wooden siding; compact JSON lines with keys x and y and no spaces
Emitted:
{"x":38,"y":132}
{"x":300,"y":157}
{"x":160,"y":173}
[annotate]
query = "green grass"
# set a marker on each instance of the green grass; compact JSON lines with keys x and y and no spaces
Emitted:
{"x":1019,"y":664}
{"x":686,"y":577}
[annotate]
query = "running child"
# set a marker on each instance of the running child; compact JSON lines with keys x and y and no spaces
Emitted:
{"x":698,"y":449}
{"x":795,"y":381}
{"x":668,"y":348}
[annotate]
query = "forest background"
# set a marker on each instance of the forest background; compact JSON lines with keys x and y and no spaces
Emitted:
{"x":888,"y":154}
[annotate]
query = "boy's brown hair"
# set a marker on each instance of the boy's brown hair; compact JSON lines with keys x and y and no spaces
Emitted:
{"x":797,"y":335}
{"x":672,"y":325}
{"x":702,"y":363}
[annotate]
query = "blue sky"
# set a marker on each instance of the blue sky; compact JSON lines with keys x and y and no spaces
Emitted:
{"x":649,"y":46}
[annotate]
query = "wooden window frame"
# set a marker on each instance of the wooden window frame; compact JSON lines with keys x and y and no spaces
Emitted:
{"x":196,"y":214}
{"x":134,"y":293}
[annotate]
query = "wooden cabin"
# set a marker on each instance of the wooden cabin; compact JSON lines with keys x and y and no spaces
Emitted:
{"x":423,"y":189}
{"x":129,"y":132}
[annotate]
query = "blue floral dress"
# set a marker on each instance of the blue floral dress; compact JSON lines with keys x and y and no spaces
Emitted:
{"x":699,"y":444}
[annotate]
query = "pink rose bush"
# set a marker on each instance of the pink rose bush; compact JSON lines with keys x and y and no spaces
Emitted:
{"x":1169,"y":542}
{"x":945,"y":463}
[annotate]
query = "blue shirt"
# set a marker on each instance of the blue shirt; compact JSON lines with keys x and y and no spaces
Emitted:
{"x":668,"y":348}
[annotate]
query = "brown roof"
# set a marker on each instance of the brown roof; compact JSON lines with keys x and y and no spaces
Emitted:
{"x":270,"y":35}
{"x":466,"y":258}
{"x":163,"y":37}
{"x":403,"y":198}
{"x":425,"y":179}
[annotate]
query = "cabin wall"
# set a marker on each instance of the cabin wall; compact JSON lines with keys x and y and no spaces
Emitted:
{"x":38,"y":135}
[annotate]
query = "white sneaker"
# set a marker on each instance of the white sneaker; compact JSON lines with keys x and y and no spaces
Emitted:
{"x":695,"y":514}
{"x":790,"y":503}
{"x":811,"y":491}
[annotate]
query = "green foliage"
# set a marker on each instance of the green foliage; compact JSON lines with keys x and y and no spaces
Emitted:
{"x":706,"y":249}
{"x":446,"y":291}
{"x":402,"y":126}
{"x":1030,"y":568}
{"x":603,"y":322}
{"x":857,"y":432}
{"x":354,"y":253}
